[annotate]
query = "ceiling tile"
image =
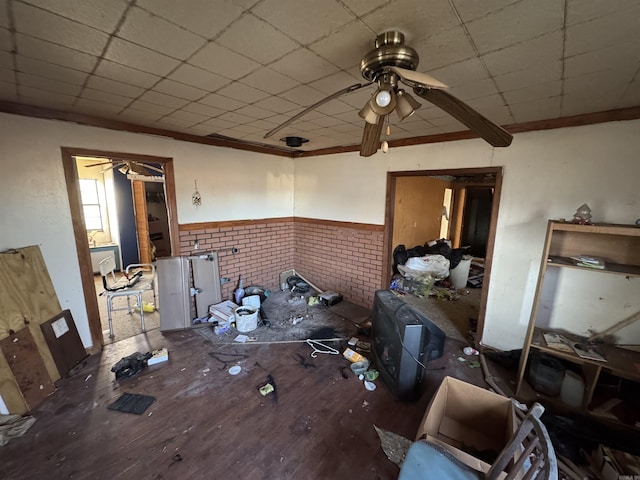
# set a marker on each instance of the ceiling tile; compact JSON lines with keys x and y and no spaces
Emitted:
{"x":98,"y":14}
{"x":45,"y":96}
{"x":122,"y":73}
{"x":335,"y":82}
{"x":197,"y":77}
{"x":539,"y":91}
{"x":264,"y":44}
{"x":620,"y":26}
{"x":475,"y":89}
{"x":49,"y":70}
{"x":222,"y":102}
{"x":304,"y":66}
{"x":150,"y":107}
{"x":114,"y":87}
{"x":53,"y":28}
{"x":179,"y":90}
{"x":203,"y":109}
{"x":140,"y":58}
{"x":254,"y":112}
{"x":303,"y":95}
{"x":531,"y":76}
{"x":218,"y":124}
{"x":618,"y":57}
{"x":325,"y":17}
{"x":606,"y":84}
{"x":334,"y":107}
{"x":579,"y":11}
{"x":52,"y":53}
{"x":539,"y":51}
{"x":138,"y":116}
{"x":170,"y":121}
{"x":346,"y":47}
{"x":268,"y":80}
{"x":153,"y":32}
{"x":580,"y":104}
{"x":516,"y":23}
{"x":6,"y":60}
{"x":48,"y":84}
{"x":4,"y":16}
{"x":211,"y":18}
{"x":7,"y":76}
{"x":235,"y":117}
{"x":243,"y":93}
{"x":443,"y":48}
{"x":536,"y":110}
{"x":158,"y":98}
{"x":631,"y":96}
{"x":95,"y":107}
{"x":361,"y":7}
{"x":110,"y":98}
{"x":222,"y":61}
{"x":415,"y":19}
{"x":8,"y":91}
{"x":277,"y":105}
{"x":190,"y":116}
{"x":6,"y":44}
{"x":472,"y":9}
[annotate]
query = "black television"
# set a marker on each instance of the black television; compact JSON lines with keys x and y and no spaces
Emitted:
{"x":403,"y":341}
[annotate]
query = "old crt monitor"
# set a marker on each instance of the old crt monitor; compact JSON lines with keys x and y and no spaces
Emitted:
{"x":404,"y":340}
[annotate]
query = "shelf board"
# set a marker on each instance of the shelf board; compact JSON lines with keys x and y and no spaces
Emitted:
{"x":607,"y":228}
{"x":614,"y":268}
{"x":620,"y":361}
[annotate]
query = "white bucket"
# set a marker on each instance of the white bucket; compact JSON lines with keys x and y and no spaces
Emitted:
{"x":572,"y":390}
{"x":251,"y":301}
{"x":460,"y":275}
{"x":246,"y":318}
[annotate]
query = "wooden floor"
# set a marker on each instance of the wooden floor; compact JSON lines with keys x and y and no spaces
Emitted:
{"x":206,"y":423}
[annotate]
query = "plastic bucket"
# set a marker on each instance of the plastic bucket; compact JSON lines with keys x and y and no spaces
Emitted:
{"x":572,"y":389}
{"x":246,"y":318}
{"x":460,"y":275}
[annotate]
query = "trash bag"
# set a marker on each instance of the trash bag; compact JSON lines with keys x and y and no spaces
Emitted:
{"x":131,"y":365}
{"x":435,"y":266}
{"x":400,"y":257}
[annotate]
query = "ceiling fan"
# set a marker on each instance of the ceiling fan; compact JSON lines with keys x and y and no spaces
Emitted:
{"x":128,"y":167}
{"x":388,"y":65}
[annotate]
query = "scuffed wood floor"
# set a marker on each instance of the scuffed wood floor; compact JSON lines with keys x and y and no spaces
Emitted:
{"x":206,"y":423}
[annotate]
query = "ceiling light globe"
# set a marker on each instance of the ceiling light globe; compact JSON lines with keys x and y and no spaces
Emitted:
{"x":383,"y":98}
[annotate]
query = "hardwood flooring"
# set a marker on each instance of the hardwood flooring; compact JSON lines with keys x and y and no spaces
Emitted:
{"x":206,"y":423}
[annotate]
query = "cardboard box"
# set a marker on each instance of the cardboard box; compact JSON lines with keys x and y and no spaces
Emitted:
{"x":223,"y":311}
{"x":474,"y":424}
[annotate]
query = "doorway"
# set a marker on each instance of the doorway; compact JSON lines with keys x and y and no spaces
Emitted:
{"x":79,"y":225}
{"x":423,"y":205}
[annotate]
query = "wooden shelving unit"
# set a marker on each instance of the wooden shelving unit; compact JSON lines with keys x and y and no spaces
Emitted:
{"x":619,"y":247}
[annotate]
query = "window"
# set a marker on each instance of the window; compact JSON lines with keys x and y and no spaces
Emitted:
{"x":91,"y":204}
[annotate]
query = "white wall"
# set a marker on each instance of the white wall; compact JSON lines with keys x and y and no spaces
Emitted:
{"x":547,"y":174}
{"x":34,"y":207}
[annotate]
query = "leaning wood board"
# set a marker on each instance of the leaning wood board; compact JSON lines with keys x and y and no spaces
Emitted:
{"x":27,"y":299}
{"x":27,"y":366}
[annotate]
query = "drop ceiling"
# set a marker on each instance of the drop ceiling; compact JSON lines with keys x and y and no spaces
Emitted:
{"x":237,"y":69}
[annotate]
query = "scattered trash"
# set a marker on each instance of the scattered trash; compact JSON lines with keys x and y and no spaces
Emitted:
{"x":393,"y":445}
{"x":158,"y":356}
{"x":319,"y":347}
{"x":222,"y":358}
{"x":460,"y":359}
{"x":353,"y":356}
{"x":369,"y":385}
{"x":297,"y":320}
{"x":352,"y":341}
{"x":88,"y":377}
{"x":241,"y":338}
{"x":365,"y":404}
{"x":311,"y":301}
{"x":297,"y":300}
{"x":130,"y":365}
{"x":132,"y":403}
{"x":239,"y":292}
{"x":221,"y":329}
{"x":371,"y":375}
{"x":146,"y":307}
{"x":303,"y":361}
{"x":266,"y":389}
{"x":470,"y":351}
{"x":330,"y":298}
{"x":343,"y":371}
{"x":206,"y":370}
{"x":359,"y":368}
{"x":474,"y":364}
{"x":13,"y":426}
{"x":235,"y":370}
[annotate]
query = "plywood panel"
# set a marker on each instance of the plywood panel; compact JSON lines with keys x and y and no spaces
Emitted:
{"x":64,"y":342}
{"x":417,"y":210}
{"x":27,"y":298}
{"x":30,"y":372}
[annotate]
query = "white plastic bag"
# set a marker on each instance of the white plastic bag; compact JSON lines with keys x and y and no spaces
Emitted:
{"x":436,"y":266}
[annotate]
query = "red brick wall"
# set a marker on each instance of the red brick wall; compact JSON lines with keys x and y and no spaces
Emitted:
{"x":264,"y":250}
{"x":338,"y":256}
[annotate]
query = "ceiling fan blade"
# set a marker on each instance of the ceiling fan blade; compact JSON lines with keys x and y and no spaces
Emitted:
{"x":485,"y":128}
{"x":155,"y":169}
{"x":417,"y":79}
{"x":113,"y":166}
{"x":138,"y":169}
{"x":98,"y":164}
{"x":371,"y":138}
{"x":350,"y":89}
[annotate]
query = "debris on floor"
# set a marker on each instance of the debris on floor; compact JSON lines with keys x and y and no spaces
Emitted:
{"x":132,"y":403}
{"x":393,"y":445}
{"x":130,"y":365}
{"x":158,"y":356}
{"x":12,"y":426}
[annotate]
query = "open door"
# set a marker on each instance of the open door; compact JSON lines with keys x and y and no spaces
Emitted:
{"x":142,"y":223}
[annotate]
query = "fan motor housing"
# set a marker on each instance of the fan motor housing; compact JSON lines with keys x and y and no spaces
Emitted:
{"x":390,"y":51}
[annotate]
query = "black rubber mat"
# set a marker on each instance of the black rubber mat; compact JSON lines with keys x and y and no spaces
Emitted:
{"x":132,"y":403}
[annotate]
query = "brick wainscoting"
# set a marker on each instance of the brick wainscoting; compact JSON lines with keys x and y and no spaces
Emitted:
{"x":339,"y":256}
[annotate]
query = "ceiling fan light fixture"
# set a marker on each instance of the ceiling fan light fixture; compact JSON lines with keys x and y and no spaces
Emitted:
{"x":383,"y":101}
{"x":406,"y":105}
{"x":368,"y":115}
